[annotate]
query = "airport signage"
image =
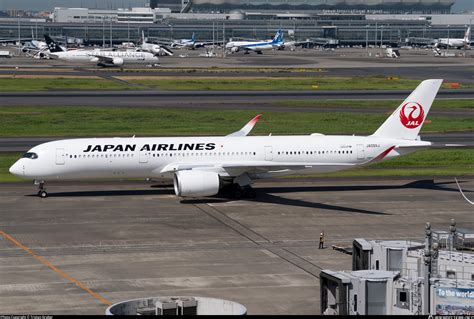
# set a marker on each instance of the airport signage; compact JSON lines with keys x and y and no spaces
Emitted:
{"x":150,"y":147}
{"x":454,"y":301}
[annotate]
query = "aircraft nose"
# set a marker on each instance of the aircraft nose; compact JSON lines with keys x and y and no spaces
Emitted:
{"x":16,"y":169}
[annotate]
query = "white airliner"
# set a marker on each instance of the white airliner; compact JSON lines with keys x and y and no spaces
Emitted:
{"x":201,"y":166}
{"x":455,"y":42}
{"x":102,"y":58}
{"x":107,"y":58}
{"x":185,"y":43}
{"x":154,"y":48}
{"x":257,"y":46}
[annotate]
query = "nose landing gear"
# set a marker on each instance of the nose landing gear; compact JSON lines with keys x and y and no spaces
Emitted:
{"x":41,"y":190}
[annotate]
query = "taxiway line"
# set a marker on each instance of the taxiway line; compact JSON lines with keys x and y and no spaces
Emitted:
{"x":48,"y":264}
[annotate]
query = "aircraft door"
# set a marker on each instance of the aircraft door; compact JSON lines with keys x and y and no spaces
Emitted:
{"x":143,"y":157}
{"x":360,"y":151}
{"x":268,"y":153}
{"x":60,"y":157}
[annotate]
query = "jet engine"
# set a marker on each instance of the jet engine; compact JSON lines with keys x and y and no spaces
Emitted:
{"x":117,"y":61}
{"x":196,"y":183}
{"x":234,"y":49}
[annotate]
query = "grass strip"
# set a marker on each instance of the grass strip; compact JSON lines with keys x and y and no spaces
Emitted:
{"x":128,"y":121}
{"x":45,"y":84}
{"x":279,"y":83}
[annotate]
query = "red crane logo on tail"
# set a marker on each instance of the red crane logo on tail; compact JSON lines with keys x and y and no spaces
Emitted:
{"x":412,"y":115}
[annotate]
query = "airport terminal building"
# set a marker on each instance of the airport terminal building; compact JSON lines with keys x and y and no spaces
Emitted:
{"x":392,"y":6}
{"x":322,"y":22}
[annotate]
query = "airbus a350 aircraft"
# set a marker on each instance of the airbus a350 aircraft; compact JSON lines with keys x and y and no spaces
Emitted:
{"x":201,"y":166}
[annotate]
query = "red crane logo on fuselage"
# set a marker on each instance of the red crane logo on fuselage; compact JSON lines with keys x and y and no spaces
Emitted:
{"x":415,"y":115}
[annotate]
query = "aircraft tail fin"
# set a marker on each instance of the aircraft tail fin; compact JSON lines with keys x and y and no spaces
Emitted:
{"x":407,"y":120}
{"x":278,"y":37}
{"x":467,"y":35}
{"x":52,"y":45}
{"x":193,"y":38}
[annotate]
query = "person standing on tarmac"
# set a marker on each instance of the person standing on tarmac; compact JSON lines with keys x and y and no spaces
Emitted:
{"x":321,"y":240}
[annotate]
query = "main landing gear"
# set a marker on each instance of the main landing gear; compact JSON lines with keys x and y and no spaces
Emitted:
{"x":239,"y":192}
{"x":41,"y":190}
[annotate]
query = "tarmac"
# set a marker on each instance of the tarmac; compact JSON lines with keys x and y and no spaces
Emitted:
{"x":90,"y":244}
{"x":413,"y":64}
{"x":216,"y":100}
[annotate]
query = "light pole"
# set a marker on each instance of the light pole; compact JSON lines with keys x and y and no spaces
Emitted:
{"x":447,"y":45}
{"x":367,"y":39}
{"x":19,"y":34}
{"x":430,"y":255}
{"x":110,"y":32}
{"x":375,"y":34}
{"x":103,"y":32}
{"x":381,"y":36}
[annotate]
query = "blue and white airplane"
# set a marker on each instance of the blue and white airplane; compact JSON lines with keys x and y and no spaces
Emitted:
{"x":185,"y":43}
{"x":257,"y":46}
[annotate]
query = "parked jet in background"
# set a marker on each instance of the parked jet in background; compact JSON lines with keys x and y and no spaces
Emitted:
{"x":202,"y":166}
{"x":42,"y":50}
{"x":455,"y":42}
{"x":257,"y":46}
{"x":154,"y":48}
{"x":184,"y":43}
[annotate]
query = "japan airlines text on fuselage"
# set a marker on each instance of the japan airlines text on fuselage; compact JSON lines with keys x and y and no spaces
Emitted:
{"x":201,"y":166}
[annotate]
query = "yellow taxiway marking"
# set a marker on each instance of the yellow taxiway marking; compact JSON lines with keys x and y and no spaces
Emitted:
{"x":45,"y":262}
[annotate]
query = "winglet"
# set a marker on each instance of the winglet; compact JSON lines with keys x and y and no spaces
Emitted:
{"x":244,"y":131}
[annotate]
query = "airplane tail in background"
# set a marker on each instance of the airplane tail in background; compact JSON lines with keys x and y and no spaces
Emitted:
{"x":52,"y":45}
{"x":143,"y":36}
{"x":467,"y":35}
{"x":407,"y":120}
{"x":278,"y":37}
{"x":193,"y":38}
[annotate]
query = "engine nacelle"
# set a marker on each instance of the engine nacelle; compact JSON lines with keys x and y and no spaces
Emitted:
{"x":117,"y":61}
{"x":196,"y":183}
{"x":234,"y":49}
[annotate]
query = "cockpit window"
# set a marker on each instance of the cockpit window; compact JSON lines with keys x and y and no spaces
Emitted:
{"x":30,"y":155}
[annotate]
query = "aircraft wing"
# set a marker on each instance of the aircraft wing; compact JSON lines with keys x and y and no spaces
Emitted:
{"x":237,"y":168}
{"x":206,"y":43}
{"x":102,"y":59}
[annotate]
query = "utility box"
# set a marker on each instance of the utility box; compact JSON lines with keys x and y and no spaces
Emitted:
{"x":166,"y":307}
{"x":187,"y":306}
{"x":464,"y":239}
{"x":441,"y":237}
